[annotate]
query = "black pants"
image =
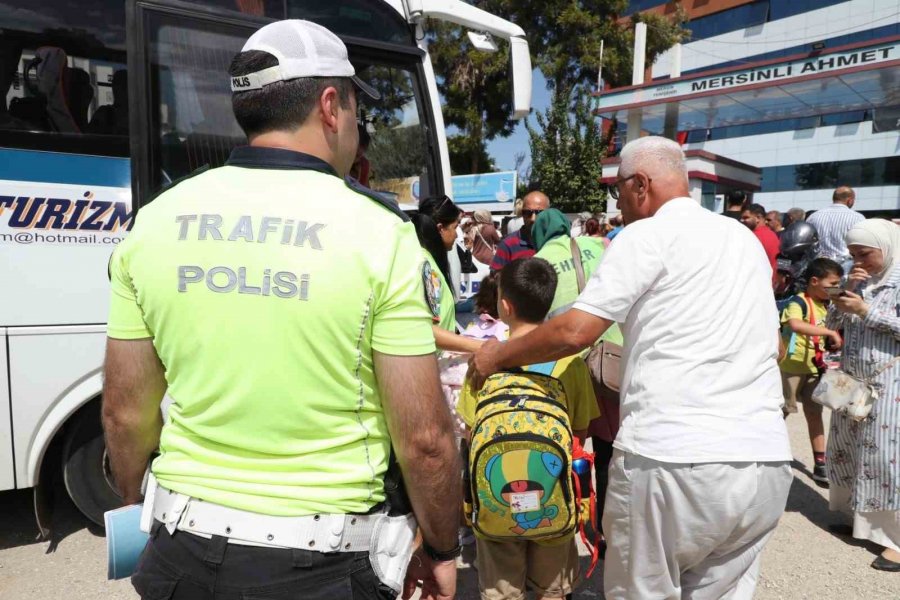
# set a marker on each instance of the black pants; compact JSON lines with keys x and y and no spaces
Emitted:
{"x":602,"y":456}
{"x":183,"y":566}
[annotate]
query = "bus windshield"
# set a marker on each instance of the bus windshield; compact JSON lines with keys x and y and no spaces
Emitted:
{"x":68,"y":89}
{"x":194,"y":126}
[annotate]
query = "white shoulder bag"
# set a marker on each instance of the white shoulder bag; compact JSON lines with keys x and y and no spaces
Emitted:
{"x":840,"y":391}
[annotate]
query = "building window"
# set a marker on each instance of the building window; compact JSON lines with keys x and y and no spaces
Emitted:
{"x":636,"y":6}
{"x":764,"y":127}
{"x":783,"y":10}
{"x":740,"y":17}
{"x":843,"y":40}
{"x":866,"y":172}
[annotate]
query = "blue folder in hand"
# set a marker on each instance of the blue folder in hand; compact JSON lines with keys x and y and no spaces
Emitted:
{"x":124,"y":540}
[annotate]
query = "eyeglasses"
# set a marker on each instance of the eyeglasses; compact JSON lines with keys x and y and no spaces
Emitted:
{"x":614,"y":190}
{"x":527,"y":212}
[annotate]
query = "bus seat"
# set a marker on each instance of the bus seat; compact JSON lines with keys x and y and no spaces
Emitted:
{"x":78,"y":94}
{"x":31,"y":110}
{"x":49,"y":64}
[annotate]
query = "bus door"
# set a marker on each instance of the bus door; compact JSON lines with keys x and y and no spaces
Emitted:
{"x":7,"y":467}
{"x":179,"y":54}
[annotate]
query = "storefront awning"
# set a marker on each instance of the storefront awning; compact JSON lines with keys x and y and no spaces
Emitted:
{"x":856,"y":77}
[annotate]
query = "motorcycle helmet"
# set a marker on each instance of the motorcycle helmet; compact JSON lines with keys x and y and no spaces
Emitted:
{"x":799,"y":240}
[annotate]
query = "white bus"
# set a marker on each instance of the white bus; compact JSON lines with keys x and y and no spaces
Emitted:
{"x":103,"y":102}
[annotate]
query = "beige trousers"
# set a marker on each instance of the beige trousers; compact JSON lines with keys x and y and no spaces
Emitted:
{"x":689,"y":531}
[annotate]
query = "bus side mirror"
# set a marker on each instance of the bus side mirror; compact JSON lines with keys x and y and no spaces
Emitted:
{"x":483,"y":41}
{"x":520,"y":71}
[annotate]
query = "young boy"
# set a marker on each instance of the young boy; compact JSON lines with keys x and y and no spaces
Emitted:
{"x":804,"y":335}
{"x":525,"y":292}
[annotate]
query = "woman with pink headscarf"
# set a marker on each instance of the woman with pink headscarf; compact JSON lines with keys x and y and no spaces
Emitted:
{"x":864,"y":456}
{"x":484,"y":237}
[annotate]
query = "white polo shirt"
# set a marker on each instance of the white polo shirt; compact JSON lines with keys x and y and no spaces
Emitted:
{"x":701,"y":380}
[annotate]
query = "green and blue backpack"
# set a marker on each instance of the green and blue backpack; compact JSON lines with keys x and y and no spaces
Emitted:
{"x":520,"y":458}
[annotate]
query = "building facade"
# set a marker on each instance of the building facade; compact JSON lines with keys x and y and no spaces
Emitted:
{"x":833,"y":136}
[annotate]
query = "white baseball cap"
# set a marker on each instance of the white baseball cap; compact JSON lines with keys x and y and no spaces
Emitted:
{"x":303,"y":49}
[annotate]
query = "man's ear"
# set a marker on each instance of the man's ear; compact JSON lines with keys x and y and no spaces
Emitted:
{"x":641,"y":183}
{"x":507,"y":307}
{"x":329,"y":104}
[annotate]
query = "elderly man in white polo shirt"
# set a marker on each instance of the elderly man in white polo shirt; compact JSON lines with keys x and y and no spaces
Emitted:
{"x":701,"y":470}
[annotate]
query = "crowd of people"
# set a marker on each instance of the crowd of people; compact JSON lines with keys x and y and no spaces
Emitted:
{"x":332,"y":433}
{"x":841,"y":312}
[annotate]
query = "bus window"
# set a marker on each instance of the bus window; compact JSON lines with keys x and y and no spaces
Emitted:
{"x":192,"y":123}
{"x":258,"y":8}
{"x":370,"y":19}
{"x":398,"y":151}
{"x":62,"y":76}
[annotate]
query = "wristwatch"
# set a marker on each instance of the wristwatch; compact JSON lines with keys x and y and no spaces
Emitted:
{"x":439,"y":556}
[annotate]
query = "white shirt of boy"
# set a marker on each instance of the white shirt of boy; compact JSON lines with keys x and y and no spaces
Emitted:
{"x":701,"y":381}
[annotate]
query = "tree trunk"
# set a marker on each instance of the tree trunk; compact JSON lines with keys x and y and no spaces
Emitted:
{"x":477,"y":132}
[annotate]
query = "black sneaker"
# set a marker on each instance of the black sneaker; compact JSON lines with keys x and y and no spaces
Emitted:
{"x":820,"y":475}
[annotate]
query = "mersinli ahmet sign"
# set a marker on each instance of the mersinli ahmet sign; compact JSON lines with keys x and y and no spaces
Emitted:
{"x":779,"y":72}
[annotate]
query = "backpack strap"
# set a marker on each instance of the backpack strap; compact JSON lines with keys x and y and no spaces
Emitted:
{"x":594,"y":546}
{"x":579,"y":266}
{"x":542,"y":368}
{"x":819,"y":351}
{"x":799,"y":301}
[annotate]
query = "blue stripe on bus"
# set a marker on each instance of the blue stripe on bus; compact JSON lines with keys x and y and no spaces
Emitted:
{"x":56,"y":167}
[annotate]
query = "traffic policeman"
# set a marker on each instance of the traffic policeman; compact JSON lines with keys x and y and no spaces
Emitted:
{"x":295,"y":346}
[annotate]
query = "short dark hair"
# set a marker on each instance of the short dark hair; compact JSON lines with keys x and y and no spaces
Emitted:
{"x":529,"y":284}
{"x":283,"y":105}
{"x":756,"y":209}
{"x":823,"y":267}
{"x":736,"y":198}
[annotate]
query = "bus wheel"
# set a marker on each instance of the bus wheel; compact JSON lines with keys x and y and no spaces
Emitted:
{"x":86,"y":466}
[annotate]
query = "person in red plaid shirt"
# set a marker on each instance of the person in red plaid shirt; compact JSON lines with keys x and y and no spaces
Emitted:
{"x":518,"y":245}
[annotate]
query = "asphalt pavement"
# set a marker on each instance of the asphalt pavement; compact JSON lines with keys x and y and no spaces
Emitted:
{"x":802,"y":561}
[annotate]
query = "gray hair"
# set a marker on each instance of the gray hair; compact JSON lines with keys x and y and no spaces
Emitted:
{"x":652,"y":154}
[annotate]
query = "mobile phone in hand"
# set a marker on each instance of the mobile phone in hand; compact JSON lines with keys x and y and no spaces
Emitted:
{"x":835,"y":291}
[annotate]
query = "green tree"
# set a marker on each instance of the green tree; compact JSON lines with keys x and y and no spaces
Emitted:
{"x":477,"y":95}
{"x":463,"y":149}
{"x":566,"y":149}
{"x":564,"y":37}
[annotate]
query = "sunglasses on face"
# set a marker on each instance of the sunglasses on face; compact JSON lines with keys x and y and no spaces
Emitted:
{"x":527,"y":212}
